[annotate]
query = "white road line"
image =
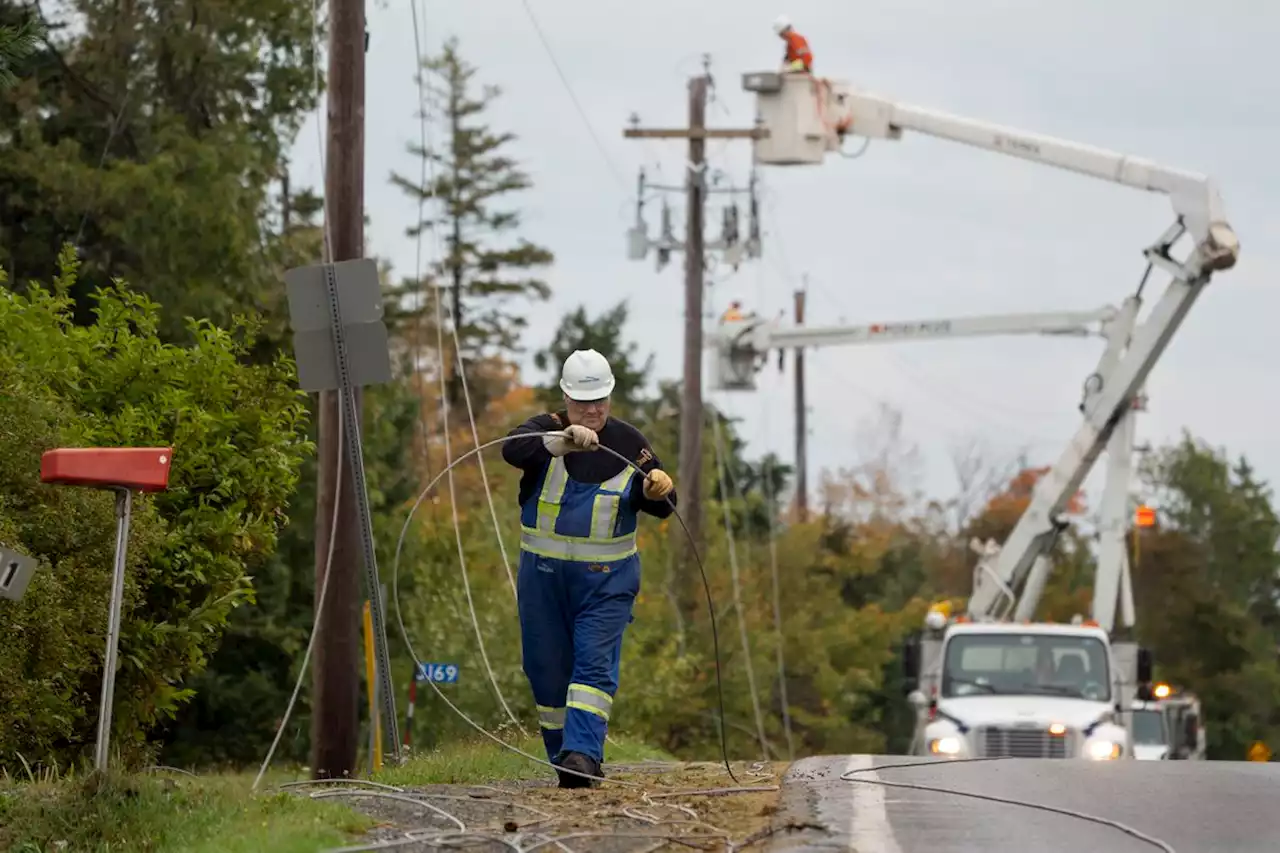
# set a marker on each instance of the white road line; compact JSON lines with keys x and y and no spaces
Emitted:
{"x":869,"y":829}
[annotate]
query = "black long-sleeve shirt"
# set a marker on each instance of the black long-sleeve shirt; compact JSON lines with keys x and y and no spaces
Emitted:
{"x":530,"y":455}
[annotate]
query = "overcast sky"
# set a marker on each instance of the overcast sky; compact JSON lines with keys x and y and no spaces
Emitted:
{"x":913,"y":229}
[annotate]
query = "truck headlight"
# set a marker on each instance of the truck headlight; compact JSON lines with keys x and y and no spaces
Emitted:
{"x":1102,"y":750}
{"x":945,"y":746}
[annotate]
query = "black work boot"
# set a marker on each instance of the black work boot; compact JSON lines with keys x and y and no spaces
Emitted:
{"x":582,"y":764}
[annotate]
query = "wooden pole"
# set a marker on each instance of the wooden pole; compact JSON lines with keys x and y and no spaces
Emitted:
{"x":690,"y":472}
{"x":687,"y":588}
{"x":335,"y":702}
{"x":802,"y":427}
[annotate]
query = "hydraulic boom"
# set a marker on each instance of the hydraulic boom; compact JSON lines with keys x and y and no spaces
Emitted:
{"x":741,"y":345}
{"x":804,"y":118}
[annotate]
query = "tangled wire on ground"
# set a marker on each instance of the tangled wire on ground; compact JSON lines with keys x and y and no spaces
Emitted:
{"x":645,"y":822}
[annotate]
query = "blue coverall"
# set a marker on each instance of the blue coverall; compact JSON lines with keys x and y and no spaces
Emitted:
{"x":579,"y":576}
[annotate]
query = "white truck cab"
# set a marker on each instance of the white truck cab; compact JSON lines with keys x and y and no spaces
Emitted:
{"x":1007,"y":690}
{"x":1167,"y":725}
{"x":1150,"y":732}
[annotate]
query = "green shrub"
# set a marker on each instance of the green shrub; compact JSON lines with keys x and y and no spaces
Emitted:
{"x":239,"y":437}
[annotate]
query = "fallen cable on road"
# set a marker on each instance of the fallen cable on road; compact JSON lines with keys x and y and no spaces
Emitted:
{"x":487,"y":801}
{"x":769,"y":832}
{"x":680,"y":807}
{"x":690,"y":830}
{"x":438,"y":839}
{"x":683,"y":840}
{"x":363,"y":782}
{"x":400,"y":798}
{"x":715,"y":792}
{"x":850,"y":776}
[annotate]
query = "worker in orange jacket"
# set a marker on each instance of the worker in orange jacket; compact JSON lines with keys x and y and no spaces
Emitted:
{"x":798,"y":56}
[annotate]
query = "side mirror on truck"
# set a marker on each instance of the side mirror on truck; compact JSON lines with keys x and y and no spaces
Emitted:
{"x":1191,"y":731}
{"x":910,"y":663}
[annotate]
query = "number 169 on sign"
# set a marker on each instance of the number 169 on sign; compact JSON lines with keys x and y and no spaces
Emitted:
{"x":440,"y":673}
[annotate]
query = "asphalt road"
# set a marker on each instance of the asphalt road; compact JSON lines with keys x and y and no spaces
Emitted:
{"x":1184,"y":806}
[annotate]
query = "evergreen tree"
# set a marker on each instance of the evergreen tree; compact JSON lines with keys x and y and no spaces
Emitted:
{"x":17,"y":43}
{"x":485,"y":265}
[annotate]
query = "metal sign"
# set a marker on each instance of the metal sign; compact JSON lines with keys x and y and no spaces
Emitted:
{"x":15,"y":573}
{"x":440,"y":673}
{"x":358,"y":311}
{"x":340,"y":343}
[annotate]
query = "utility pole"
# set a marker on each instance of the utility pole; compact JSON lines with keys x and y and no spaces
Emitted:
{"x":335,"y":666}
{"x":454,"y":389}
{"x":690,"y":472}
{"x":802,"y":427}
{"x":689,"y":482}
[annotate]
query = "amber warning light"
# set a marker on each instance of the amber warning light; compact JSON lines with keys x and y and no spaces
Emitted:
{"x":1144,"y":516}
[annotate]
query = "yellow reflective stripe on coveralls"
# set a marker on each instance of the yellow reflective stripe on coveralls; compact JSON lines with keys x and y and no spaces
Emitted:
{"x":604,"y":510}
{"x":550,"y":718}
{"x":601,"y":545}
{"x":552,"y":491}
{"x":559,"y":547}
{"x":590,"y":699}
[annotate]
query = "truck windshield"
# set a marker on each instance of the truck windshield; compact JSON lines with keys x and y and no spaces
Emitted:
{"x":1026,"y":664}
{"x":1148,"y":727}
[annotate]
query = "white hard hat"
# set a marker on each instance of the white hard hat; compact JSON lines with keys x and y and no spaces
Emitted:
{"x":586,"y":376}
{"x":781,"y":23}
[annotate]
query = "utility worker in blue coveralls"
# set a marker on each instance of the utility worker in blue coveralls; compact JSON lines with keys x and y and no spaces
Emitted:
{"x":579,"y":567}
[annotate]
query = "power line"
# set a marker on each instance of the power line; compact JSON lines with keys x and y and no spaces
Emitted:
{"x":444,"y":402}
{"x":577,"y":105}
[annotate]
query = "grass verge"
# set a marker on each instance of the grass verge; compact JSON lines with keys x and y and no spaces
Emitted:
{"x":161,"y":814}
{"x":482,"y":760}
{"x":204,"y":814}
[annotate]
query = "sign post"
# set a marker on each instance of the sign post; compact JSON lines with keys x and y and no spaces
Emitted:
{"x":340,"y":343}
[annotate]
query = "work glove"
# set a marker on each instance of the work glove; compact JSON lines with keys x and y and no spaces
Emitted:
{"x":582,"y":437}
{"x":657,"y":484}
{"x":576,"y":437}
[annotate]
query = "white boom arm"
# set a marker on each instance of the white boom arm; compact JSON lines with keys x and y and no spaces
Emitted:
{"x":804,"y":118}
{"x":741,"y":345}
{"x":1111,"y":579}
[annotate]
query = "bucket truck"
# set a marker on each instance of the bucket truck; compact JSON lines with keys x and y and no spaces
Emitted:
{"x":988,"y":681}
{"x":742,"y":345}
{"x":1168,"y":726}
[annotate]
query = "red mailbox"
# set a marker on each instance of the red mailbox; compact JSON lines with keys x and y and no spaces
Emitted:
{"x":124,"y":470}
{"x":143,"y":469}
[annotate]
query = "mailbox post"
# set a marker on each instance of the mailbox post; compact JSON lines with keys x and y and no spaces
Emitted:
{"x":122,"y":470}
